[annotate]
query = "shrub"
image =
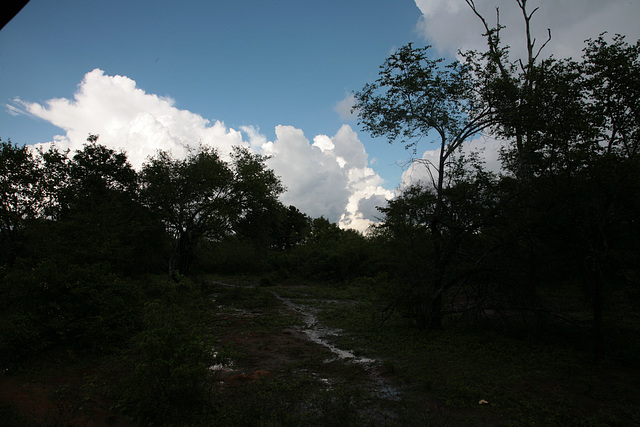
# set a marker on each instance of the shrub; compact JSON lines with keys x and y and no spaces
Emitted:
{"x":84,"y":307}
{"x":172,"y":355}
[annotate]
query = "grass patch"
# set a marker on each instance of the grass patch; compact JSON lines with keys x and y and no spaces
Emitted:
{"x":527,"y":380}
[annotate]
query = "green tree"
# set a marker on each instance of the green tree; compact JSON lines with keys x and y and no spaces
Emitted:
{"x":604,"y":186}
{"x":256,"y":190}
{"x":202,"y":196}
{"x":94,"y":212}
{"x":292,"y":228}
{"x":416,"y":97}
{"x":21,"y":197}
{"x":572,"y":141}
{"x":192,"y":196}
{"x":97,"y":168}
{"x":465,"y":245}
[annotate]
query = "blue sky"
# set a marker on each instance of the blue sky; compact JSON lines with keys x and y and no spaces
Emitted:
{"x":259,"y":63}
{"x":149,"y":75}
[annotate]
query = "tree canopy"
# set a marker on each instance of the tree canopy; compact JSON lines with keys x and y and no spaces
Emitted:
{"x":202,"y":196}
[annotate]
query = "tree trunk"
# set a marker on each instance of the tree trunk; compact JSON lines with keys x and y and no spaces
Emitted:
{"x":598,"y":309}
{"x":183,"y":253}
{"x":435,"y":312}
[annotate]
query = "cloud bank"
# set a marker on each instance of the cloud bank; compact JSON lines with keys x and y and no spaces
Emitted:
{"x":326,"y":177}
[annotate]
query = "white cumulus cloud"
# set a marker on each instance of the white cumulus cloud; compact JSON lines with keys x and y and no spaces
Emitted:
{"x":327,"y":177}
{"x":128,"y":118}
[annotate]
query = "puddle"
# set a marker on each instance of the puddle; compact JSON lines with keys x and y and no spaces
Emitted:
{"x":220,"y":365}
{"x":319,"y":334}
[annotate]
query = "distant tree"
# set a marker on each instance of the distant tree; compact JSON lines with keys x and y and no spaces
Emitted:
{"x":274,"y":227}
{"x":292,"y":229}
{"x":202,"y":196}
{"x":322,"y":230}
{"x":21,"y":197}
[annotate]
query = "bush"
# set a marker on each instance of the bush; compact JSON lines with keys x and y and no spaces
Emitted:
{"x":83,"y":307}
{"x":172,"y":355}
{"x":21,"y":338}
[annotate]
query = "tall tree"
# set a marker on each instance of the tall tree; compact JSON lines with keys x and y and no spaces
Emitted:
{"x":572,"y":130}
{"x":606,"y":187}
{"x":417,"y":97}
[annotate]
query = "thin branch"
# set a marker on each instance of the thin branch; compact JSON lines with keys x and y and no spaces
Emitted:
{"x":543,"y":45}
{"x":493,"y":36}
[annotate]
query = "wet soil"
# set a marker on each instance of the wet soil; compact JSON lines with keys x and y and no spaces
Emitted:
{"x":302,"y":346}
{"x":57,"y":392}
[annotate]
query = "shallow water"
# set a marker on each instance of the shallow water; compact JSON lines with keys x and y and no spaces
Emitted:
{"x":319,"y":334}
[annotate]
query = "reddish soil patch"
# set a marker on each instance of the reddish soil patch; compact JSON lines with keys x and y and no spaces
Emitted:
{"x":56,"y":400}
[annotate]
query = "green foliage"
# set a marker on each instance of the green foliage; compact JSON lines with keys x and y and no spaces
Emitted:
{"x":97,"y":168}
{"x":20,"y":197}
{"x":80,"y":210}
{"x":83,"y":308}
{"x":545,"y":253}
{"x":172,"y":355}
{"x":204,"y":197}
{"x":556,"y":222}
{"x":572,"y":159}
{"x":328,"y":253}
{"x":415,"y":95}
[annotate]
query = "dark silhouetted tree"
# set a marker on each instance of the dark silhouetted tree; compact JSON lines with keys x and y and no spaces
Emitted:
{"x":417,"y":97}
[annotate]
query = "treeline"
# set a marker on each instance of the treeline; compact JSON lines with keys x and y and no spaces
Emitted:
{"x":550,"y":240}
{"x":92,"y":206}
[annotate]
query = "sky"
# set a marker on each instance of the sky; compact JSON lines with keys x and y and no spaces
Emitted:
{"x":273,"y":75}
